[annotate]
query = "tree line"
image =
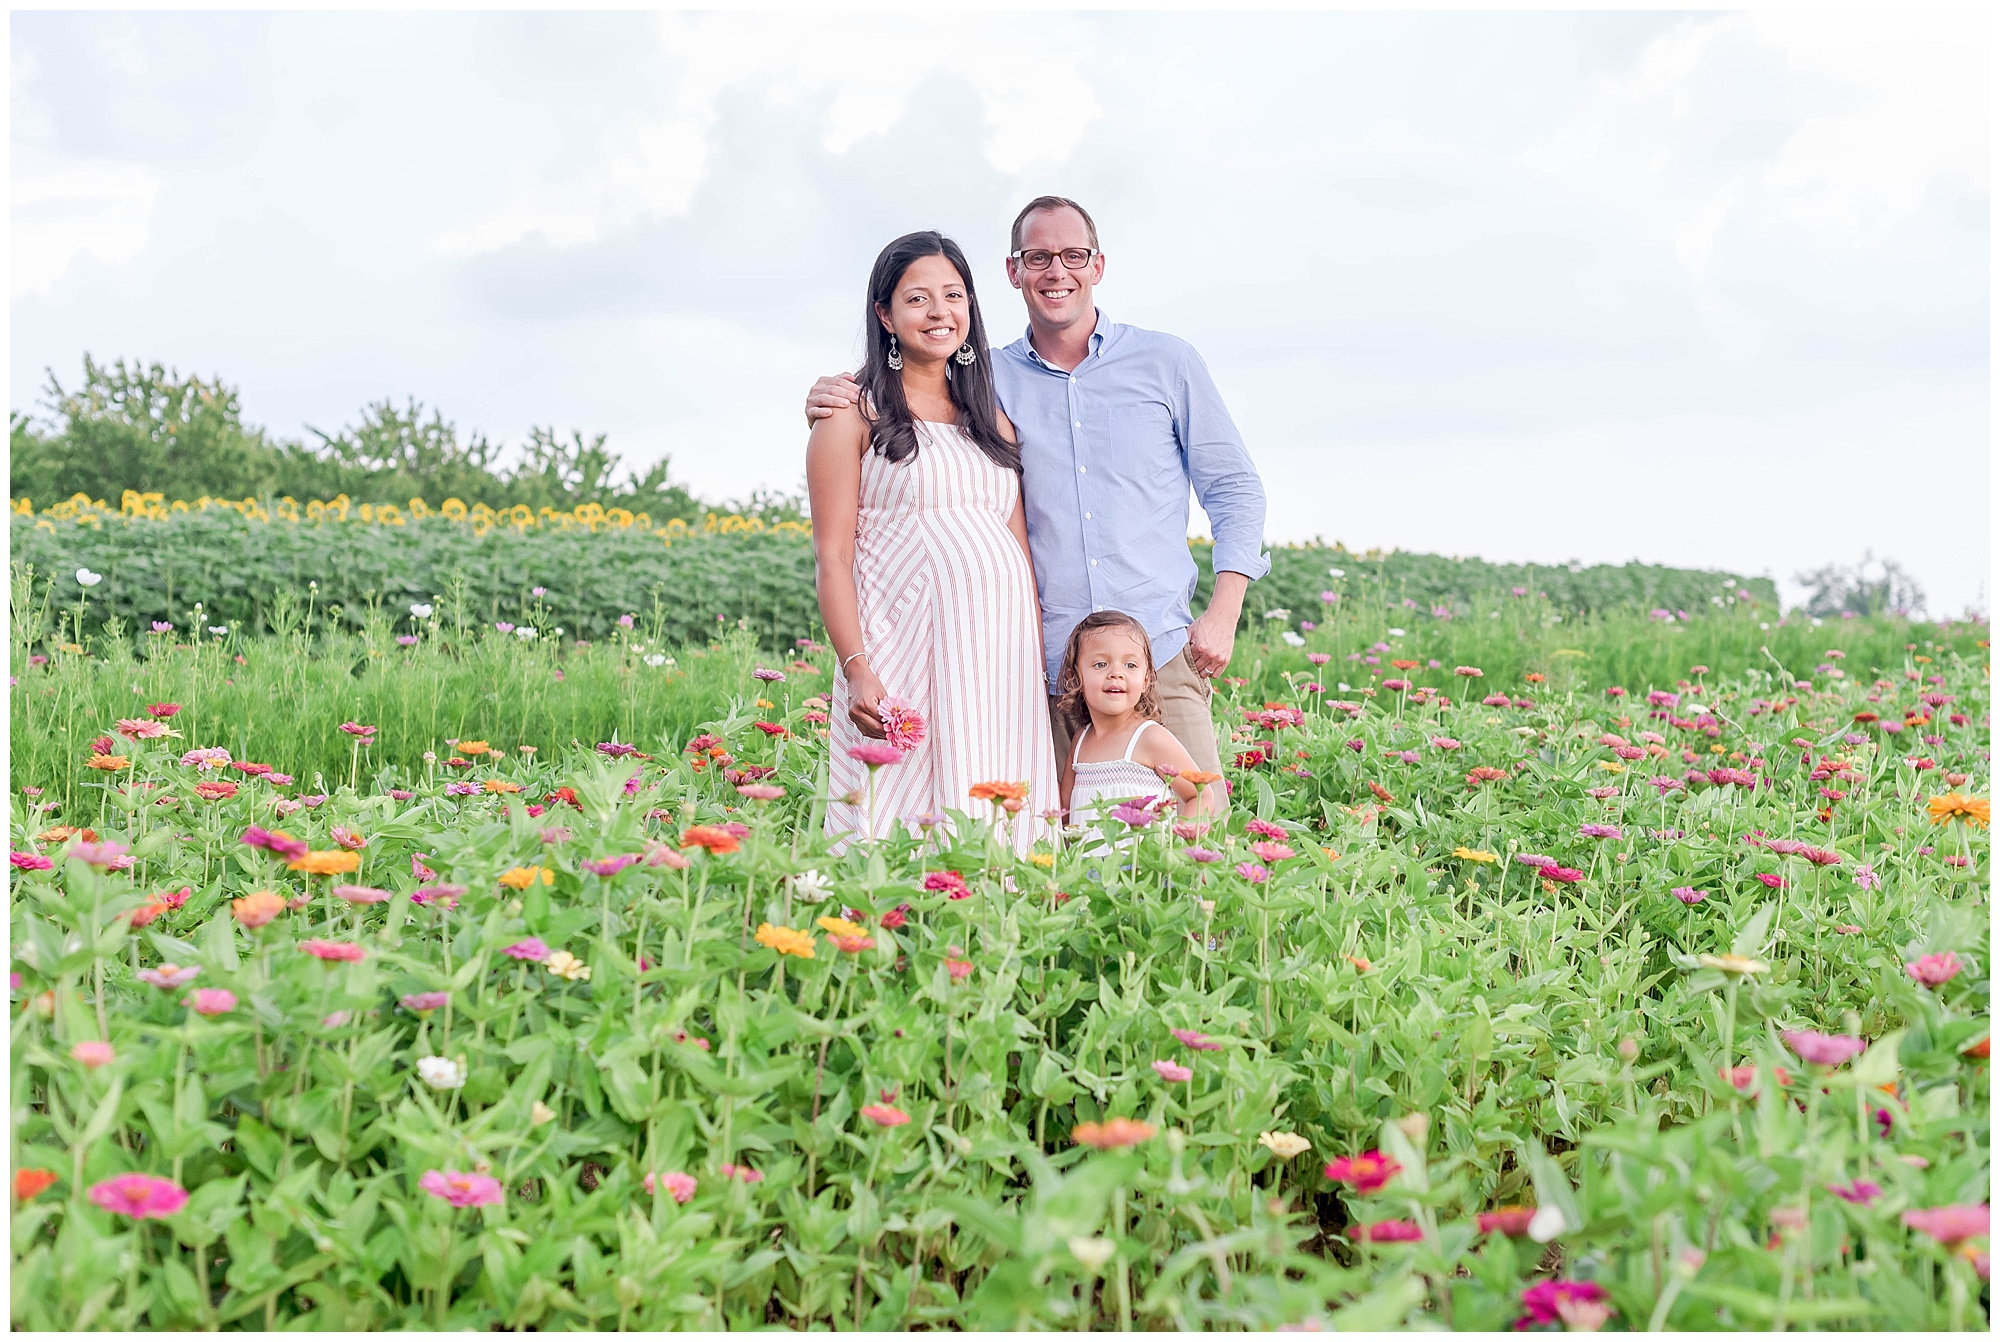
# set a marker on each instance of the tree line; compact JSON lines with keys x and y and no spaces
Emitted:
{"x":148,"y":427}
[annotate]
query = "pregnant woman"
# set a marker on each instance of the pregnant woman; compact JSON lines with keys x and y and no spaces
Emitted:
{"x":922,"y":546}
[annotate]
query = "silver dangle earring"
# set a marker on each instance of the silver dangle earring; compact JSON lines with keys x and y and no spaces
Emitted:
{"x":966,"y":355}
{"x":895,"y":355}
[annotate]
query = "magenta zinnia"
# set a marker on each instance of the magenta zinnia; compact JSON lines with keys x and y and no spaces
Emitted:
{"x":1364,"y":1173}
{"x":139,"y":1196}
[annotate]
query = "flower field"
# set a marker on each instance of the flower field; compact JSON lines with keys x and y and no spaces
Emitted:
{"x":1527,"y":991}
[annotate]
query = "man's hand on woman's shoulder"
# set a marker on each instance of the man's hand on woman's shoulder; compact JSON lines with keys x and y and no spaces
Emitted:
{"x":830,"y":394}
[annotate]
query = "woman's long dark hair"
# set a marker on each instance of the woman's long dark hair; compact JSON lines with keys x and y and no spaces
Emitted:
{"x":894,"y":431}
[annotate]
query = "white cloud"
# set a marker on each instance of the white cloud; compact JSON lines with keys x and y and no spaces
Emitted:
{"x":1023,"y":76}
{"x":64,"y":209}
{"x":1834,"y":123}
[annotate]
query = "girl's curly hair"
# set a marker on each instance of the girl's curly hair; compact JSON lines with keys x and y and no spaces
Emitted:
{"x":1069,"y":682}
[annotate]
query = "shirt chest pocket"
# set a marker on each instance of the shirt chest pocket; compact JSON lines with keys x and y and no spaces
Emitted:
{"x":1136,"y":442}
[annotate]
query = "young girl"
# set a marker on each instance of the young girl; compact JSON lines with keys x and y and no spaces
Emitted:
{"x":1122,"y":753}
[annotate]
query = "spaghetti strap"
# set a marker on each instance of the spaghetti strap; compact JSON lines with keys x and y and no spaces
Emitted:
{"x":1077,"y":750}
{"x":1137,"y":732}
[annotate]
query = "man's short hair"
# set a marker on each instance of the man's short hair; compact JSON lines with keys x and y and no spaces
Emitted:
{"x":1051,"y":203}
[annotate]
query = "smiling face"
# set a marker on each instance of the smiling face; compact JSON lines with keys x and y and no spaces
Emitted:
{"x":1058,"y":298}
{"x":930,"y":313}
{"x":1115,"y":668}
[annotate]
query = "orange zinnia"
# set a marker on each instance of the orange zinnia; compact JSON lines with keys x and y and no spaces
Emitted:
{"x":1966,"y":810}
{"x":1112,"y":1133}
{"x":1382,"y":794}
{"x":785,"y":940}
{"x":501,"y":785}
{"x":473,"y":747}
{"x":712,"y":837}
{"x":999,"y":791}
{"x":1199,"y":777}
{"x":110,"y":764}
{"x":31,"y":1184}
{"x":257,"y":908}
{"x":327,"y":862}
{"x":219,"y":790}
{"x":1401,"y":665}
{"x":520,"y":878}
{"x":57,"y":833}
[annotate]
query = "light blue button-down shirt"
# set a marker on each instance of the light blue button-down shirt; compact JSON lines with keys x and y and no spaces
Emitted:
{"x":1108,"y":451}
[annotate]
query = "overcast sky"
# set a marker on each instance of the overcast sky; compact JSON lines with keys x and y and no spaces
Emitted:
{"x":1702,"y":289}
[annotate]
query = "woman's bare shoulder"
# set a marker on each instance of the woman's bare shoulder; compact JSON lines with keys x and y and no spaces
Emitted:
{"x":845,"y":427}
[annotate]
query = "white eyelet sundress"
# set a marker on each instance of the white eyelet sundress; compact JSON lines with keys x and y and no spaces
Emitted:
{"x":948,"y":619}
{"x":1100,"y":785}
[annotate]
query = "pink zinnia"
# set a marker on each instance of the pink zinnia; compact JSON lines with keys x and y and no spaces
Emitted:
{"x":1825,"y":1050}
{"x":885,"y":1115}
{"x":1264,"y":829}
{"x":425,"y":1001}
{"x":680,"y":1187}
{"x":609,"y":866}
{"x":1469,"y":672}
{"x":534,"y":948}
{"x":140,"y":729}
{"x":1771,"y":880}
{"x":1561,"y":875}
{"x":1953,"y":1224}
{"x":1195,"y":1040}
{"x":1172,"y":1071}
{"x":760,"y":791}
{"x":1689,"y":895}
{"x":950,"y":882}
{"x":1820,"y":857}
{"x":463,"y":1190}
{"x":1598,"y":832}
{"x":30,"y":862}
{"x":139,"y":1196}
{"x":356,"y":729}
{"x":1253,"y":873}
{"x":211,"y":1001}
{"x":168,"y":977}
{"x":1387,"y":1232}
{"x":1444,"y":743}
{"x":743,"y":1172}
{"x":1548,"y":1301}
{"x":284,"y":845}
{"x":360,"y":894}
{"x":92,"y":1053}
{"x":1534,"y":860}
{"x":874,"y":754}
{"x":1272,"y":852}
{"x":1506,"y":1221}
{"x":1366,"y":1172}
{"x":902,"y":724}
{"x":1934,"y":971}
{"x":350,"y":952}
{"x":1861,"y":1192}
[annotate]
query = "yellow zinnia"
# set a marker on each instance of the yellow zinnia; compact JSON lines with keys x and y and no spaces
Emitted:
{"x":1966,"y":810}
{"x":1733,"y":964}
{"x":786,"y":940}
{"x":840,"y":927}
{"x":1611,"y":766}
{"x":1042,"y":859}
{"x":1475,"y":855}
{"x":520,"y":878}
{"x":327,"y":862}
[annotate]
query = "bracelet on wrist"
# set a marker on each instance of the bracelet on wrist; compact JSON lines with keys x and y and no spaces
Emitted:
{"x":850,"y":657}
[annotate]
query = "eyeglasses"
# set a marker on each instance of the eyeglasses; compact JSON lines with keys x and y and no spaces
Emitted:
{"x":1073,"y":258}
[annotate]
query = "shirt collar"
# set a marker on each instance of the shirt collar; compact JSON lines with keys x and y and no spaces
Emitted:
{"x":1098,"y":335}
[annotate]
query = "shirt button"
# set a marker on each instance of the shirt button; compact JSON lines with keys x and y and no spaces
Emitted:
{"x":1086,"y":517}
{"x":1093,"y":563}
{"x":1079,"y":423}
{"x":1083,"y":470}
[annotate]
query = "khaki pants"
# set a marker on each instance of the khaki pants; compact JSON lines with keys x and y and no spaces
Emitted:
{"x":1183,"y":696}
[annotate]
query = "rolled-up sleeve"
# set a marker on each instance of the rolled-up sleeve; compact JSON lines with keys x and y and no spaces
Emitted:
{"x":1225,"y":480}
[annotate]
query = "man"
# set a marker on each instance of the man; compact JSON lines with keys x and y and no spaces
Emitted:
{"x":1115,"y":424}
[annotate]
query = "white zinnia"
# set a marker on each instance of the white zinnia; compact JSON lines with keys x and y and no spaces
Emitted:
{"x":420,"y":610}
{"x":1297,"y":640}
{"x":1547,"y":1224}
{"x":1338,"y":572}
{"x":441,"y":1073}
{"x":85,"y":578}
{"x":811,"y":887}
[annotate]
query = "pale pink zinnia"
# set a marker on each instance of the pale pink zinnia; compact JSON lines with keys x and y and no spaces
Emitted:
{"x":680,"y":1187}
{"x":142,"y":729}
{"x":1195,"y":1040}
{"x":760,"y":791}
{"x":884,"y":1115}
{"x":92,"y":1053}
{"x":1934,"y":971}
{"x":1253,"y":873}
{"x":360,"y":894}
{"x":169,"y":976}
{"x":1825,"y":1050}
{"x":743,"y":1172}
{"x":462,"y":1190}
{"x":139,"y":1196}
{"x":211,"y":1001}
{"x":1172,"y":1071}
